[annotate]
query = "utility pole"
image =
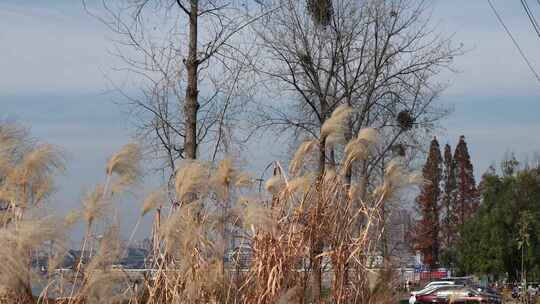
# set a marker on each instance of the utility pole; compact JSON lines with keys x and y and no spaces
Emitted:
{"x":523,"y":241}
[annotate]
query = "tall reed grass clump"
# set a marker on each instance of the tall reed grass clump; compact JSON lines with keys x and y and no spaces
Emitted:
{"x":222,"y":241}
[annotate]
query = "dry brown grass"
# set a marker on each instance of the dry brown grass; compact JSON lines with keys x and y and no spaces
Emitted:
{"x":280,"y":228}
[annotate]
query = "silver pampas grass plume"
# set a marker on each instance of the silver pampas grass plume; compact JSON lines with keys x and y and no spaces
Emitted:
{"x":126,"y":164}
{"x":336,"y":125}
{"x":299,"y":157}
{"x":360,"y":147}
{"x":191,"y":180}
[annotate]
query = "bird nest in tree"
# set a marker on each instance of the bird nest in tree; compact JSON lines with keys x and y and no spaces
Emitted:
{"x":305,"y":59}
{"x":398,"y":150}
{"x":405,"y":120}
{"x":321,"y":11}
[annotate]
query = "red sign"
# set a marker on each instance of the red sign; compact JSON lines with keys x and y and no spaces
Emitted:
{"x":424,"y":276}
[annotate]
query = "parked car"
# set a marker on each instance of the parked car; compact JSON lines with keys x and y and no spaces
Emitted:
{"x":467,"y":281}
{"x":456,"y":294}
{"x":440,"y":283}
{"x":494,"y":294}
{"x":435,"y":294}
{"x":427,"y":290}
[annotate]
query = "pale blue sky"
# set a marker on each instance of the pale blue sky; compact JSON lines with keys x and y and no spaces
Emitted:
{"x":53,"y":58}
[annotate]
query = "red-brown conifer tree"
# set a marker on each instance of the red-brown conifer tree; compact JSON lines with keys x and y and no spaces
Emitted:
{"x":467,"y":199}
{"x":448,"y":230}
{"x":426,"y":233}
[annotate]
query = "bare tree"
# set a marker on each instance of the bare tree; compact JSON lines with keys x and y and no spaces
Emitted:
{"x":188,"y":59}
{"x":380,"y":57}
{"x":187,"y":63}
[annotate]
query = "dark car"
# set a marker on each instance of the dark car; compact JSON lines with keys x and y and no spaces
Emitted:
{"x":490,"y":292}
{"x":456,"y":295}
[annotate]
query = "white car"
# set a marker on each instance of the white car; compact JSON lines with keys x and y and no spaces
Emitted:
{"x":429,"y":288}
{"x":440,"y":283}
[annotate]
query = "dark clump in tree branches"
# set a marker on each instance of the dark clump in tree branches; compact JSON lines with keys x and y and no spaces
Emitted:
{"x":405,"y":120}
{"x":321,"y":11}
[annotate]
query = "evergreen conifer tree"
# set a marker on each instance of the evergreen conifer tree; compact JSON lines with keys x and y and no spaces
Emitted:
{"x":427,"y":229}
{"x":467,"y":199}
{"x":447,"y":197}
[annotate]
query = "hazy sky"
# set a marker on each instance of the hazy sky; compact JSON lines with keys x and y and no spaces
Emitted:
{"x":53,"y":59}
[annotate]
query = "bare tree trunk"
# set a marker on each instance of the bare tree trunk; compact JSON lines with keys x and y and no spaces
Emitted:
{"x":192,"y":105}
{"x":317,"y":245}
{"x":316,"y":276}
{"x":155,"y":234}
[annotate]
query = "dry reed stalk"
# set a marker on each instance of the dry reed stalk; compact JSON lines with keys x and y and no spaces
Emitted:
{"x":334,"y":222}
{"x":222,"y":178}
{"x":152,"y":201}
{"x":254,"y":216}
{"x":191,"y":181}
{"x":18,"y":243}
{"x":14,"y":141}
{"x":194,"y":255}
{"x":299,"y":158}
{"x":29,"y":181}
{"x":360,"y":148}
{"x":26,"y":175}
{"x":226,"y":176}
{"x":301,"y":184}
{"x":282,"y":235}
{"x":126,"y":164}
{"x":243,"y":181}
{"x":275,"y":184}
{"x":336,"y":125}
{"x":95,"y":205}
